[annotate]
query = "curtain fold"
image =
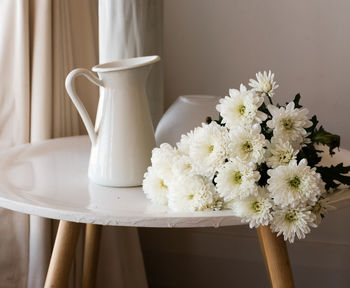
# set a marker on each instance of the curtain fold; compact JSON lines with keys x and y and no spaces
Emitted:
{"x":14,"y":129}
{"x":55,"y":49}
{"x":14,"y":88}
{"x":40,"y":73}
{"x":40,"y":42}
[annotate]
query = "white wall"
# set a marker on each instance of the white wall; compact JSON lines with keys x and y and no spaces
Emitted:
{"x":211,"y":46}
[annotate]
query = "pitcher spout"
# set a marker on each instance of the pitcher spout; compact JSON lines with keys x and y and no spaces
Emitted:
{"x":134,"y":71}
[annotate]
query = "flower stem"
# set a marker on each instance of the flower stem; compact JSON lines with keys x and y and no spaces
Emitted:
{"x":270,"y":100}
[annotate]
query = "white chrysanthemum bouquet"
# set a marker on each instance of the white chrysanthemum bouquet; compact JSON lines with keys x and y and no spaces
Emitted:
{"x":258,"y":159}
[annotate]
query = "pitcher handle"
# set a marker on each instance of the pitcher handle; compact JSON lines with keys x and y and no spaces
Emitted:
{"x":70,"y":86}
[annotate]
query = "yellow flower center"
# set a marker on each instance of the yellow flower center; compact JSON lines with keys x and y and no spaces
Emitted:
{"x":241,"y":109}
{"x":266,"y":86}
{"x":162,"y":185}
{"x":291,"y":217}
{"x":287,"y":123}
{"x":257,"y":206}
{"x":247,"y":147}
{"x":295,"y":182}
{"x":237,"y":177}
{"x":188,"y":166}
{"x":284,"y":157}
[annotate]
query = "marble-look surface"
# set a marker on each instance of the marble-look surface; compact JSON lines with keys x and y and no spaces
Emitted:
{"x":49,"y":179}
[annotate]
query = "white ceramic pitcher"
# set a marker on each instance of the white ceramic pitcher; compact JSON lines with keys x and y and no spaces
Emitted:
{"x":123,"y":137}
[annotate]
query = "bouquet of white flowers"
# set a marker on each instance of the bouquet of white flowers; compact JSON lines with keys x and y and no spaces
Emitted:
{"x":260,"y":160}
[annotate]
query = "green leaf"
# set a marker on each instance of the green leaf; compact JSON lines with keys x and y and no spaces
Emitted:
{"x":208,"y":120}
{"x":296,"y":101}
{"x":310,"y":153}
{"x":262,"y":168}
{"x":220,"y":121}
{"x":266,"y":131}
{"x":321,"y":136}
{"x":263,"y":108}
{"x":334,"y":173}
{"x":314,"y":121}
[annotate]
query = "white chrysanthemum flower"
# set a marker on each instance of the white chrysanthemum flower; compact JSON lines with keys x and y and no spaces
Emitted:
{"x":182,"y":165}
{"x":241,"y":108}
{"x":237,"y":179}
{"x":294,"y":184}
{"x":255,"y":210}
{"x":289,"y":123}
{"x":208,"y":148}
{"x":154,"y":187}
{"x":184,"y":144}
{"x":280,"y":153}
{"x":248,"y":144}
{"x":191,"y":193}
{"x":264,"y":83}
{"x":292,"y":221}
{"x":163,"y":159}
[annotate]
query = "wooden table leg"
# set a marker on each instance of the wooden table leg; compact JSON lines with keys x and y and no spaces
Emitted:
{"x":276,"y":258}
{"x":92,"y":245}
{"x":62,"y":254}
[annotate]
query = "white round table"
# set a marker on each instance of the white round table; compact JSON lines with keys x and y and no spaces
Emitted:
{"x":49,"y":179}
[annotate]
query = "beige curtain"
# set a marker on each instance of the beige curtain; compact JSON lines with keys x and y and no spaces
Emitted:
{"x":14,"y":129}
{"x":40,"y":42}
